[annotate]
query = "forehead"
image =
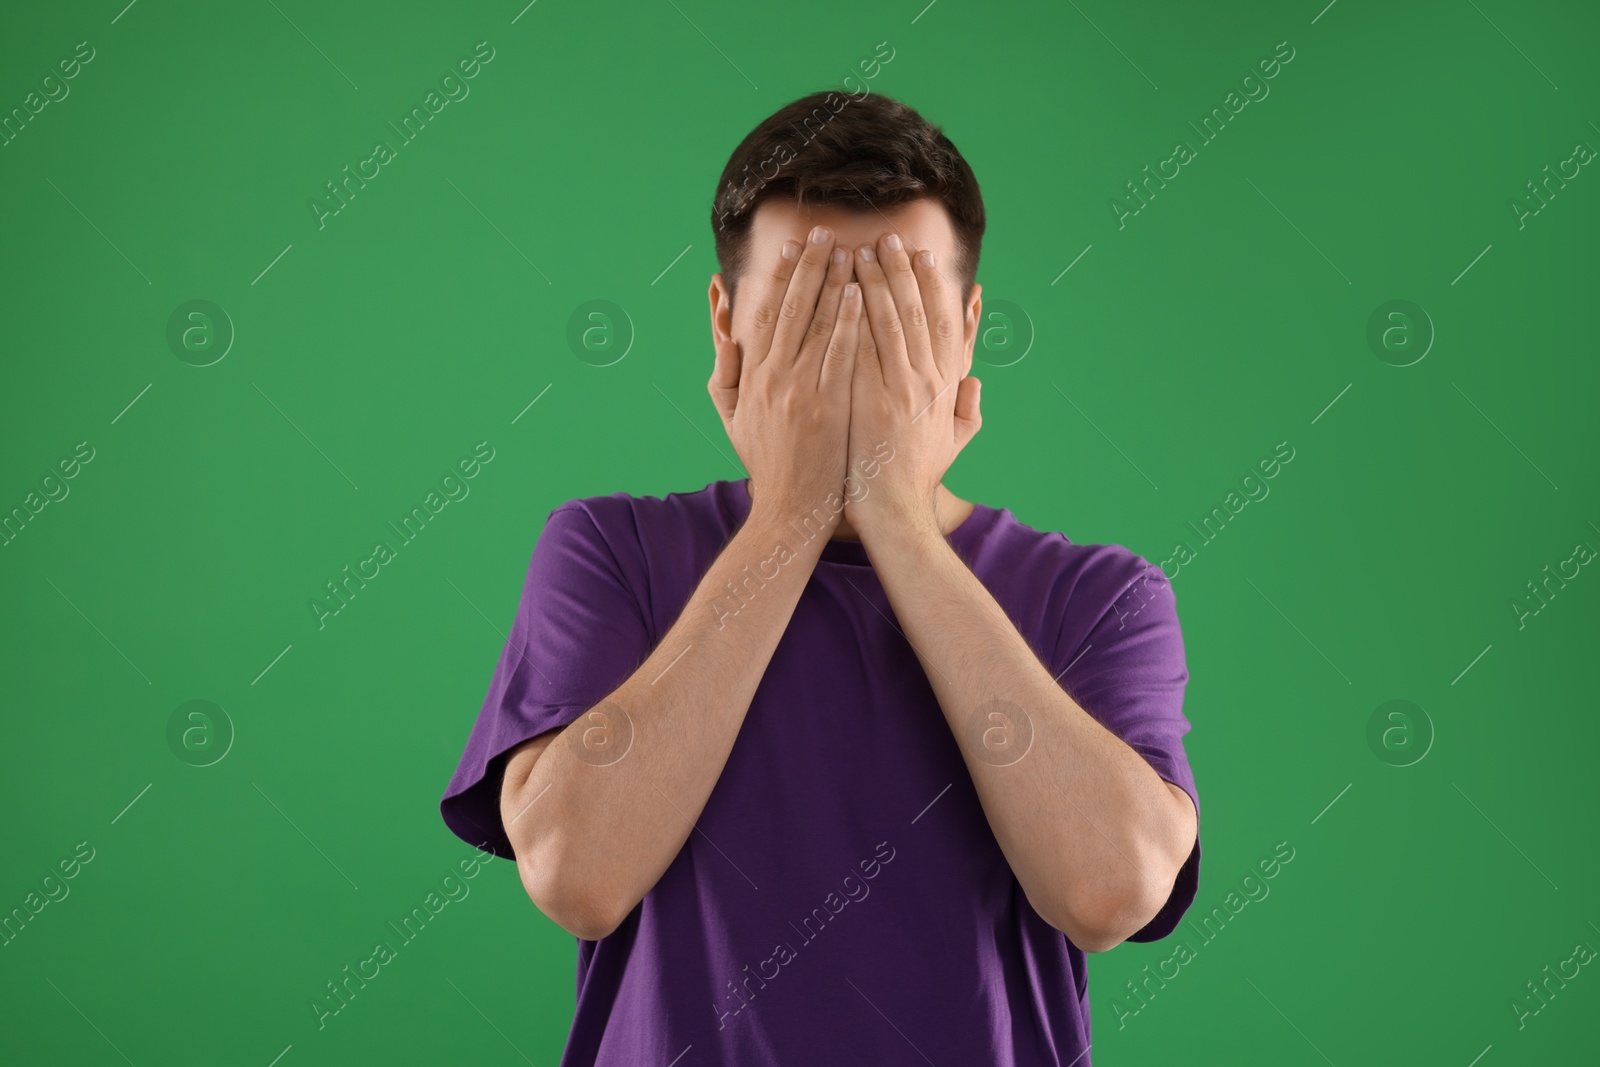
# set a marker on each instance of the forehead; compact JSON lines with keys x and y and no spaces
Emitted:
{"x":920,"y":223}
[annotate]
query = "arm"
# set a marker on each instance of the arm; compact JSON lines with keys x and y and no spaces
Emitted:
{"x":1094,"y":835}
{"x":592,"y":838}
{"x":593,"y":835}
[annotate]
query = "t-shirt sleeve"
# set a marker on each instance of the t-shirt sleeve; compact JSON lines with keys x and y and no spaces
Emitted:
{"x":579,"y":632}
{"x":1129,"y":672}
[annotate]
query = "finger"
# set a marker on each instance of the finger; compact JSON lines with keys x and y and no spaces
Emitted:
{"x":838,"y":364}
{"x":800,"y":300}
{"x":808,"y":366}
{"x":769,"y":302}
{"x":895,"y":260}
{"x":724,"y":382}
{"x":882,"y":321}
{"x":944,"y":330}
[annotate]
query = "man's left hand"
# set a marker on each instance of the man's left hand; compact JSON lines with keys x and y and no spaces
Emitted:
{"x":909,"y":400}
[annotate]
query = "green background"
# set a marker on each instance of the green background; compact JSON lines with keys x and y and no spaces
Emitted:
{"x":1228,"y":315}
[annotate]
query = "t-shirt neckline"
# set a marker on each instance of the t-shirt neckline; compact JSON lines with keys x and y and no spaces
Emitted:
{"x":854,"y":553}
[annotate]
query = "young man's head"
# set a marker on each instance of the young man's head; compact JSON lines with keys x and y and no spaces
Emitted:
{"x":862,"y":166}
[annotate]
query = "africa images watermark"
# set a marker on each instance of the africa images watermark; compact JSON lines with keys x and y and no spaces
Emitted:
{"x":340,"y":591}
{"x":455,"y":89}
{"x":341,"y":990}
{"x":810,"y":929}
{"x":1183,"y":153}
{"x":1255,"y":889}
{"x":806,"y":528}
{"x":814,"y":124}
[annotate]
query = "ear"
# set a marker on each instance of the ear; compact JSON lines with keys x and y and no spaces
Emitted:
{"x":723,"y":385}
{"x":972,"y":316}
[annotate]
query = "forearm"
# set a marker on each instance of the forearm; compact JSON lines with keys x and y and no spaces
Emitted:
{"x":600,"y":830}
{"x":1085,"y":823}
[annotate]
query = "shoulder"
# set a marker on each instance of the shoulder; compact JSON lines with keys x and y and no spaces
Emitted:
{"x":1091,"y":577}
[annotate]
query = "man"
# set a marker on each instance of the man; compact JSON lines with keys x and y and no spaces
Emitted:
{"x":828,"y":765}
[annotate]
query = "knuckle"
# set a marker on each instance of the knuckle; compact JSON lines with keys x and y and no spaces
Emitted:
{"x":820,"y":329}
{"x":765,"y":314}
{"x":792,"y":308}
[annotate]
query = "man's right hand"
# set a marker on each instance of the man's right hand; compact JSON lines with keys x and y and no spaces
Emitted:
{"x":784,"y":395}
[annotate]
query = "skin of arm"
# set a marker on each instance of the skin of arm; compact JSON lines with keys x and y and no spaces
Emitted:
{"x":1094,"y":835}
{"x":592,"y":836}
{"x":591,"y":840}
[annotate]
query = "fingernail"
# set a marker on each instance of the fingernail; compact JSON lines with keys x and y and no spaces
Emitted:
{"x":925,"y":257}
{"x":791,"y":249}
{"x":865,"y":252}
{"x":851,"y":290}
{"x":820,"y":235}
{"x":839,"y":256}
{"x":892,"y":242}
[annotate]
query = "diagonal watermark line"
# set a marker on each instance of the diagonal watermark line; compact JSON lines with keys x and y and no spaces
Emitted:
{"x":131,"y":803}
{"x":669,"y":666}
{"x":132,"y":402}
{"x":890,"y":1021}
{"x":705,"y":835}
{"x":902,"y":633}
{"x":274,"y":663}
{"x":302,"y":433}
{"x":501,"y":232}
{"x":1286,"y":1019}
{"x":931,"y":803}
{"x":1513,"y":44}
{"x":88,"y":1020}
{"x":530,"y":803}
{"x":490,"y":1021}
{"x":1332,"y":402}
{"x":1301,"y":232}
{"x":532,"y":402}
{"x":1113,"y":44}
{"x":302,"y":833}
{"x":713,"y":44}
{"x":101,"y":232}
{"x":1102,"y":433}
{"x":1502,"y":833}
{"x":99,"y":631}
{"x":674,"y":263}
{"x":1474,"y":262}
{"x":1324,"y":11}
{"x":313,"y":44}
{"x":691,"y":422}
{"x":1069,"y":266}
{"x":1468,"y":667}
{"x":1502,"y":433}
{"x":503,"y":636}
{"x":1301,"y":632}
{"x":268,"y":267}
{"x":1331,"y":803}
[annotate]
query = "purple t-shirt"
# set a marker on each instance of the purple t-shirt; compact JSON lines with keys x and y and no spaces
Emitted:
{"x":843,"y":898}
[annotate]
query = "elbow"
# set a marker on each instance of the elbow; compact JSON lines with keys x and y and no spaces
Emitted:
{"x":1099,"y":925}
{"x":576,"y":906}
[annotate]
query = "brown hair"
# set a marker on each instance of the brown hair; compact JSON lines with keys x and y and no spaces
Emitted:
{"x":859,"y":152}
